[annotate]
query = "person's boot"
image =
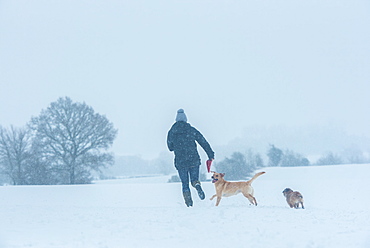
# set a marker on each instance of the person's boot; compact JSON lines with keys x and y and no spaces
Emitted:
{"x":200,"y":191}
{"x":187,"y":198}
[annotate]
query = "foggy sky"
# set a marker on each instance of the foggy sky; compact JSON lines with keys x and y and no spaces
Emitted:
{"x":229,"y":64}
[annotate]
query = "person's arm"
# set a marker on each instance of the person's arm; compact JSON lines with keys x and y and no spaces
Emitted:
{"x":204,"y":144}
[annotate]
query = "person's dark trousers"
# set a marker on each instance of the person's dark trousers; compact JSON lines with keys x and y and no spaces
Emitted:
{"x":185,"y":174}
{"x":191,"y":173}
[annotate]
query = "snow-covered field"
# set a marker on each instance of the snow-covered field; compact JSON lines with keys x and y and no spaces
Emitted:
{"x":148,"y":212}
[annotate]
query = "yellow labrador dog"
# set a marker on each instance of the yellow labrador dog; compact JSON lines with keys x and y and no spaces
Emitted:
{"x":293,"y":198}
{"x":225,"y":188}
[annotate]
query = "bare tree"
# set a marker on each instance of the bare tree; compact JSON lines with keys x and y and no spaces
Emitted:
{"x":71,"y":136}
{"x":14,"y":153}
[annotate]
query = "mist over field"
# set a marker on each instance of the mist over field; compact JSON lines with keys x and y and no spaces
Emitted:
{"x":247,"y":73}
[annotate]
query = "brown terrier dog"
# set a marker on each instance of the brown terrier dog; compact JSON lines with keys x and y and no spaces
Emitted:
{"x":294,"y":198}
{"x":225,"y":188}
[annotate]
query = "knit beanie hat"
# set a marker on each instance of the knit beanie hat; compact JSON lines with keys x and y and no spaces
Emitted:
{"x":181,"y":116}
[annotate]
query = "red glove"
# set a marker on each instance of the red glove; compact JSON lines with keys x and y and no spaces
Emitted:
{"x":209,"y":163}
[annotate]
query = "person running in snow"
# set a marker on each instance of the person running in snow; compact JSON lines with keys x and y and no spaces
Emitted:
{"x":181,"y":140}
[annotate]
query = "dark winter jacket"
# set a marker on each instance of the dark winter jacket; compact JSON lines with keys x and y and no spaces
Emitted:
{"x":181,"y":139}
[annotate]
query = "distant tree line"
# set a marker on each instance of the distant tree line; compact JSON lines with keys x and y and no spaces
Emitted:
{"x":67,"y":143}
{"x":240,"y":166}
{"x":348,"y":156}
{"x":63,"y":145}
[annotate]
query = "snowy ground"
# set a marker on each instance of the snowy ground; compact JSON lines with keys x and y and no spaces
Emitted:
{"x":148,"y":212}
